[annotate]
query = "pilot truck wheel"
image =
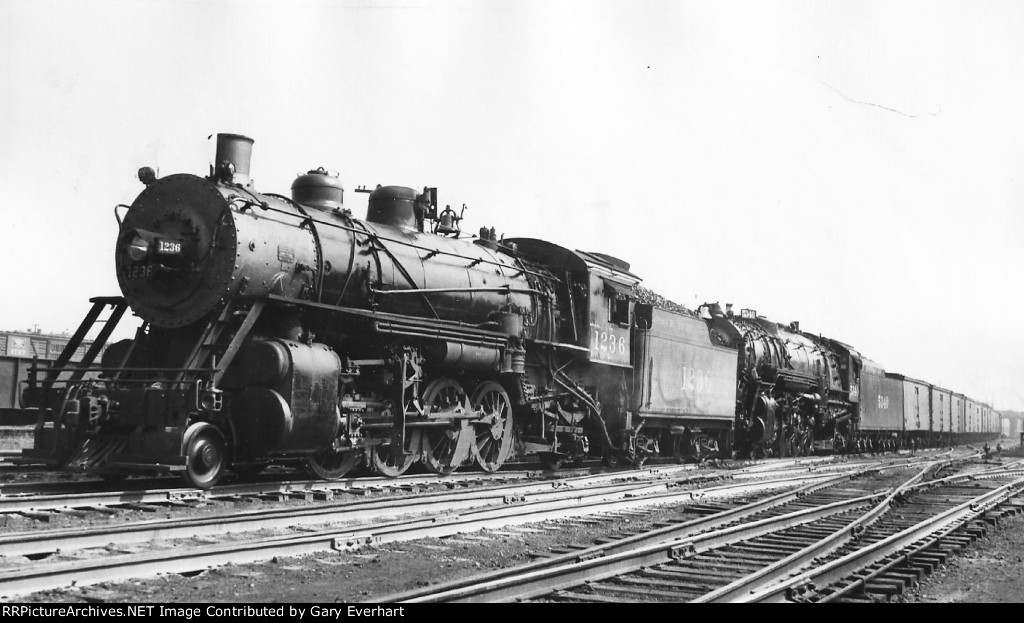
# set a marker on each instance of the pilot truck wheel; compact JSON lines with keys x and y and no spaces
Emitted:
{"x":205,"y":455}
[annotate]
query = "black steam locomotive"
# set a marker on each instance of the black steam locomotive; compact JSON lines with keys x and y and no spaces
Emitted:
{"x":283,"y":329}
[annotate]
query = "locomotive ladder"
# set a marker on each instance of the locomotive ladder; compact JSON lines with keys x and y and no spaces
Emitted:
{"x":91,"y":319}
{"x":42,"y":400}
{"x":210,"y":339}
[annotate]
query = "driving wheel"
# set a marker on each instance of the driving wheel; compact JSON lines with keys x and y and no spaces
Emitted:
{"x":492,"y":442}
{"x":440,"y":443}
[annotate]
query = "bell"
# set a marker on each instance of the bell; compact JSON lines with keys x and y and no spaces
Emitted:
{"x":445,"y":225}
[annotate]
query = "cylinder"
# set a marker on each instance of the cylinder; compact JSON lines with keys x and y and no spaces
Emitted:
{"x":267,"y":362}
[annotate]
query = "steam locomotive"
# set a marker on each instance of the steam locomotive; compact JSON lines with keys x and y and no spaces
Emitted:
{"x":283,"y":329}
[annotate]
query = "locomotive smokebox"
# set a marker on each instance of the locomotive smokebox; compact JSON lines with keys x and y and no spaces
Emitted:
{"x":234,"y":153}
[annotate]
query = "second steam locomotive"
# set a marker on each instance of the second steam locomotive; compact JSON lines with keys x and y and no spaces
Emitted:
{"x":282,"y":329}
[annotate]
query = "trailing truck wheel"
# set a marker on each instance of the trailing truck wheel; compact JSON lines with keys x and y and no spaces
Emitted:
{"x":205,"y":455}
{"x":332,"y":464}
{"x":493,"y":442}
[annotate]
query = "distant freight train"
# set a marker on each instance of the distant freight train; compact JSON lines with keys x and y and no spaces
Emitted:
{"x":283,"y":329}
{"x":20,"y":350}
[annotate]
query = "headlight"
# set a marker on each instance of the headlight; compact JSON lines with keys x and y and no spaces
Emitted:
{"x":138,"y":249}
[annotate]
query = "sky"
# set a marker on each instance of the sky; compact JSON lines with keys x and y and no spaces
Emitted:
{"x":854,"y":165}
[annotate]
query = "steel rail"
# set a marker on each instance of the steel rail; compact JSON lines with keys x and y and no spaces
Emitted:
{"x":834,"y":571}
{"x":839,"y":590}
{"x":13,"y":501}
{"x":38,"y":542}
{"x":780,"y":463}
{"x":43,"y":576}
{"x":538,"y":578}
{"x":781,"y":569}
{"x":456,"y":588}
{"x":544,"y":581}
{"x":27,"y":502}
{"x":22,"y":543}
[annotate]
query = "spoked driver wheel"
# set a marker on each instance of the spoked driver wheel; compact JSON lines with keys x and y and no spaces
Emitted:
{"x":332,"y":464}
{"x":493,"y":434}
{"x":440,"y":444}
{"x":393,"y":464}
{"x":205,"y":455}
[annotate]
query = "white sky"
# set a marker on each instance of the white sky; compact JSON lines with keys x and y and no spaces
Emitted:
{"x":853,"y":165}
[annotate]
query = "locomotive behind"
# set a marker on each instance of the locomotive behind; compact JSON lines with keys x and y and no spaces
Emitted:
{"x":282,"y":329}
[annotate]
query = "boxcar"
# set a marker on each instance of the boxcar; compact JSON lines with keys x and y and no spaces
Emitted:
{"x":917,"y":414}
{"x":957,"y":403}
{"x":941,"y":426}
{"x":881,"y":406}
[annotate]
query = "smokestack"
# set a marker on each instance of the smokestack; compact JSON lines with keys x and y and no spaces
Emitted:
{"x":234,"y":152}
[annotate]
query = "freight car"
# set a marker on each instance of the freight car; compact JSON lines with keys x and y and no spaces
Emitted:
{"x":899,"y":412}
{"x":19,"y":351}
{"x":283,"y":329}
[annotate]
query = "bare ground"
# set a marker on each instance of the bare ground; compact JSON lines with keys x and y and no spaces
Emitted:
{"x":990,"y":571}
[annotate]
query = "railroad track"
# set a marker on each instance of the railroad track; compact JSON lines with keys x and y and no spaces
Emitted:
{"x":873,"y":540}
{"x":41,"y":560}
{"x":73,"y":500}
{"x":13,"y":466}
{"x":45,"y":501}
{"x":59,"y":490}
{"x":884,"y":561}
